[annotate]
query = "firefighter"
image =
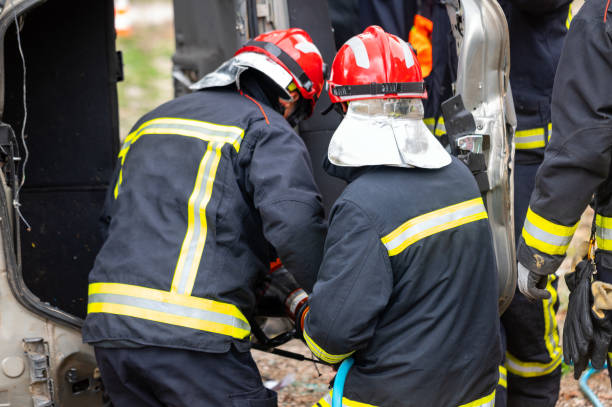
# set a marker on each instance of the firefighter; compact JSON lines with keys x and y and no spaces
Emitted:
{"x":408,"y":285}
{"x":531,"y":373}
{"x":576,"y":166}
{"x":209,"y":187}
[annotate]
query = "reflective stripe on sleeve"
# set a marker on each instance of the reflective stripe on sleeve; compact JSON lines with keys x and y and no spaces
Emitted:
{"x":603,"y":232}
{"x":503,"y":377}
{"x":570,"y":16}
{"x":168,"y":308}
{"x":546,"y":236}
{"x":326,"y":401}
{"x":322,"y":354}
{"x":486,"y":401}
{"x":529,"y":139}
{"x":433,"y":222}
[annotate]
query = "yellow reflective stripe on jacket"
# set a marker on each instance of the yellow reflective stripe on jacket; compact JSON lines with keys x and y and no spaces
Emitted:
{"x":216,"y":136}
{"x":486,"y":401}
{"x":531,"y":369}
{"x":326,"y":401}
{"x":430,"y":122}
{"x":183,"y":127}
{"x":603,"y":232}
{"x":433,"y":222}
{"x":549,"y":131}
{"x":570,"y":16}
{"x":546,"y":236}
{"x":529,"y":139}
{"x":321,"y":353}
{"x":192,"y":248}
{"x":440,"y":127}
{"x":168,"y":308}
{"x":436,"y":129}
{"x":503,"y":377}
{"x":551,"y":334}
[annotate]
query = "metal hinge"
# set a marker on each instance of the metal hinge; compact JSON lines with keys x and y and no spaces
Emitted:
{"x":41,"y":383}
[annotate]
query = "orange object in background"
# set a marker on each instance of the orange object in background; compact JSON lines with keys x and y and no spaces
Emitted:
{"x":420,"y":38}
{"x":123,"y":19}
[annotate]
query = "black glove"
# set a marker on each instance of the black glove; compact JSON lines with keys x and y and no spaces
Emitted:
{"x":283,"y":285}
{"x":532,"y":284}
{"x":602,"y":335}
{"x":578,"y":328}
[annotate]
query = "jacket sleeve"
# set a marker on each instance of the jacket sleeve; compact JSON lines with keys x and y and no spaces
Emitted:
{"x":353,"y":287}
{"x":578,"y":157}
{"x":539,"y":7}
{"x":287,"y":198}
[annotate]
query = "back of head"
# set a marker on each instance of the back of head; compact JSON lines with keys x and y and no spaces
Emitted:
{"x":288,"y":58}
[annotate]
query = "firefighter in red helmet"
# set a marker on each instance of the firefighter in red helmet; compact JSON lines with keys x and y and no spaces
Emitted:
{"x":407,"y":285}
{"x":208,"y":188}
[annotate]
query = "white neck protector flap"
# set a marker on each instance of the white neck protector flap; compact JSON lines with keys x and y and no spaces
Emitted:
{"x":386,"y":132}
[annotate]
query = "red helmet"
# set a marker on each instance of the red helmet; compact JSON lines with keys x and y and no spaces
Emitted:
{"x":375,"y":65}
{"x":293,"y":50}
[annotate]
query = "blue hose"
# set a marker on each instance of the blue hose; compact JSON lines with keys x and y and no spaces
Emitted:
{"x":338,"y":390}
{"x":584,"y":386}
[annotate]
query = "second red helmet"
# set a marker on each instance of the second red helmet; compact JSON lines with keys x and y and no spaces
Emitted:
{"x":375,"y":65}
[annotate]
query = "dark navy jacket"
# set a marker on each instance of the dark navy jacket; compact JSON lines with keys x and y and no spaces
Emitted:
{"x":408,"y":287}
{"x":578,"y":160}
{"x":208,"y":190}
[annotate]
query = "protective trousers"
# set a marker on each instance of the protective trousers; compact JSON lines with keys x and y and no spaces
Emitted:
{"x":533,"y":355}
{"x":165,"y":377}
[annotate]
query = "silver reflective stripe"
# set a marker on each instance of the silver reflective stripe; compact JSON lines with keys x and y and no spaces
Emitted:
{"x":533,"y":369}
{"x":433,"y":222}
{"x":550,"y":313}
{"x":544,"y":236}
{"x":174,"y":309}
{"x":530,"y":139}
{"x":407,"y":54}
{"x":307,"y":47}
{"x":359,"y":50}
{"x":197,"y":218}
{"x":604,"y":233}
{"x":204,"y":131}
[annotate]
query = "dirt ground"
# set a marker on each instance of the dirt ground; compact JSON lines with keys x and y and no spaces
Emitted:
{"x":308,"y":383}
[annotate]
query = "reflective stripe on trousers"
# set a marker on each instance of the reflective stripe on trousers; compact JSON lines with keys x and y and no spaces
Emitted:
{"x":326,"y":401}
{"x":168,"y":308}
{"x":551,"y":340}
{"x":503,"y":377}
{"x":433,"y":222}
{"x":546,"y":236}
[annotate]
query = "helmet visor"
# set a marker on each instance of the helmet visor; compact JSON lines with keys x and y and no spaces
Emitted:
{"x":229,"y":72}
{"x":386,"y":132}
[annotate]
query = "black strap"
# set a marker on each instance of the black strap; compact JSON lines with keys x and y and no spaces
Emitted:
{"x":379,"y":88}
{"x":289,"y":62}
